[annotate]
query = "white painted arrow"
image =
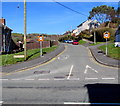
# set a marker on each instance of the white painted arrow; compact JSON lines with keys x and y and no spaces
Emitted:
{"x":86,"y":69}
{"x":1,"y":102}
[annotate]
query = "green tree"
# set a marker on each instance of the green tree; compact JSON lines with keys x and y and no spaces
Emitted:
{"x":102,"y":13}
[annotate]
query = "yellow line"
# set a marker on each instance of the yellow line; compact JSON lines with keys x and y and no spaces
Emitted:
{"x":37,"y":65}
{"x":94,"y":61}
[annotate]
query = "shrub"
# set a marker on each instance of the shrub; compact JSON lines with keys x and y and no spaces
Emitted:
{"x":99,"y":34}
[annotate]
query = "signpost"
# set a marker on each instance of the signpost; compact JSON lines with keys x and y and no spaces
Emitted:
{"x":40,"y":39}
{"x":106,"y":36}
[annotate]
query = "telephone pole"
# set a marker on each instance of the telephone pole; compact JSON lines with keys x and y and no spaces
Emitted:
{"x":25,"y":49}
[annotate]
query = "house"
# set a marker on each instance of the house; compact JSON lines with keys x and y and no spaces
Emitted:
{"x":6,"y":42}
{"x":89,"y":24}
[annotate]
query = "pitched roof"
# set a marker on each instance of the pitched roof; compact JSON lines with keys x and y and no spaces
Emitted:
{"x":4,"y":26}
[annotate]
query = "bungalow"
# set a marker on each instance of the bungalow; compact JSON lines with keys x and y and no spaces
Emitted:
{"x":6,"y":42}
{"x":89,"y":24}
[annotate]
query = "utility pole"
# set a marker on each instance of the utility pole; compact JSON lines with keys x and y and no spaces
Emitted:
{"x":25,"y":49}
{"x":94,"y":37}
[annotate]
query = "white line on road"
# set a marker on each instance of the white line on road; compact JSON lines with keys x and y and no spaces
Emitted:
{"x":30,"y":79}
{"x":74,"y":79}
{"x":70,"y":72}
{"x":91,"y":103}
{"x":109,"y":78}
{"x":76,"y":103}
{"x":4,"y":79}
{"x":1,"y":102}
{"x":15,"y":79}
{"x":90,"y":78}
{"x":44,"y":79}
{"x":86,"y":69}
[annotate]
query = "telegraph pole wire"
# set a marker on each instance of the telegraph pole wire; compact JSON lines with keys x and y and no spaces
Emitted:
{"x":70,"y":9}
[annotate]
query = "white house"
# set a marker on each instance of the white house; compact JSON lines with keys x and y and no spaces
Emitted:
{"x":89,"y":24}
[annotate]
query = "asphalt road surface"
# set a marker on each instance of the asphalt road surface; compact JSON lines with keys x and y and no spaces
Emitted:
{"x":73,"y":77}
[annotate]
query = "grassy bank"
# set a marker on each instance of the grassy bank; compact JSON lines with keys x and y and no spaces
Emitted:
{"x":82,"y":42}
{"x":31,"y":54}
{"x":113,"y":51}
{"x":97,"y":43}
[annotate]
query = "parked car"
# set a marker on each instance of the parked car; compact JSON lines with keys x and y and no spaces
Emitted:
{"x":117,"y":37}
{"x":70,"y":41}
{"x":75,"y":42}
{"x":67,"y":41}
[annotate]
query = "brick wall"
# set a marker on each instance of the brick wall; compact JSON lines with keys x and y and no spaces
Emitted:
{"x":35,"y":45}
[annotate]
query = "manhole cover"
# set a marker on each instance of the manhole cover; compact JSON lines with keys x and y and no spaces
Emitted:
{"x":70,"y":75}
{"x":42,"y":72}
{"x":99,"y":51}
{"x":59,"y":77}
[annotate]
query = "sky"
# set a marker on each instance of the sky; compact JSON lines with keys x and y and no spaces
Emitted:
{"x":48,"y":17}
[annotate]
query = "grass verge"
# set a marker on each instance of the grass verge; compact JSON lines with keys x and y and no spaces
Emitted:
{"x":113,"y":51}
{"x":97,"y":43}
{"x":82,"y":42}
{"x":31,"y":54}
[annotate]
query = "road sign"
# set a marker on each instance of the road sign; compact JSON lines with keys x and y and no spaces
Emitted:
{"x":40,"y":38}
{"x":106,"y":35}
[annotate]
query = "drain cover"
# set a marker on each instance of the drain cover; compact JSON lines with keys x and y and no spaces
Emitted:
{"x":59,"y":77}
{"x":42,"y":72}
{"x":70,"y":75}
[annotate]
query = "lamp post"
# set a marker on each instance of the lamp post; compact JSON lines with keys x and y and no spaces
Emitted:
{"x":25,"y":49}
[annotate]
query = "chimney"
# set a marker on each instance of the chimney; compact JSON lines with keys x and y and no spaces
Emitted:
{"x":2,"y":21}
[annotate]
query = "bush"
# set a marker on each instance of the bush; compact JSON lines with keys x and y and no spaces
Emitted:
{"x":67,"y":37}
{"x":99,"y":34}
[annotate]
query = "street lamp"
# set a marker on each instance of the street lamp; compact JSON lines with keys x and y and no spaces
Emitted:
{"x":94,"y":25}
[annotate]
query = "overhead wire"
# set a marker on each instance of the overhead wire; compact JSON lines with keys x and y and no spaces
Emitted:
{"x":70,"y":8}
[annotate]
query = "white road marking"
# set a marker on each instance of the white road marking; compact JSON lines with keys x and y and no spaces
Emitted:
{"x":86,"y":69}
{"x":44,"y":79}
{"x":15,"y":79}
{"x":74,"y":79}
{"x":70,"y":72}
{"x":1,"y":101}
{"x":30,"y":79}
{"x":68,"y":78}
{"x":76,"y":103}
{"x":4,"y":79}
{"x":80,"y":103}
{"x":63,"y":57}
{"x":108,"y":78}
{"x":90,"y":78}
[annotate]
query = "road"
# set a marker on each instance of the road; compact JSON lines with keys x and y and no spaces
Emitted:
{"x":71,"y":77}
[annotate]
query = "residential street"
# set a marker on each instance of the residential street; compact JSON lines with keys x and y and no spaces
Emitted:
{"x":71,"y":77}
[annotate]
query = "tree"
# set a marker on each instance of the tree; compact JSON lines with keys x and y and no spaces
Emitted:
{"x":102,"y":13}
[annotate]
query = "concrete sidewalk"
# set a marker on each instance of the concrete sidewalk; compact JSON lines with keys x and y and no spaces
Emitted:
{"x":102,"y":58}
{"x":34,"y":62}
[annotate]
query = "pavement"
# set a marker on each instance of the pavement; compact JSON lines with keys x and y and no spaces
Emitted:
{"x":34,"y":62}
{"x":97,"y":55}
{"x":101,"y":57}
